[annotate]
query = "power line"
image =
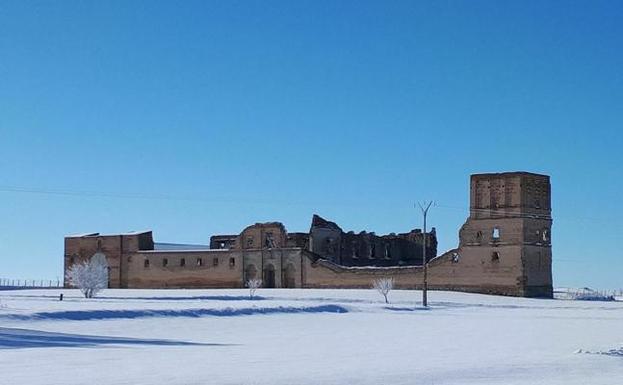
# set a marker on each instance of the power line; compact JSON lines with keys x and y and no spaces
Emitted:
{"x":179,"y":198}
{"x":95,"y":194}
{"x":164,"y":197}
{"x":517,"y":214}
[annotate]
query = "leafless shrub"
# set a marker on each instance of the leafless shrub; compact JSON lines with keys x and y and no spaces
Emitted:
{"x":383,"y":286}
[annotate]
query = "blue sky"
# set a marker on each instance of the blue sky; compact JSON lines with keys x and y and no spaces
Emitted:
{"x":250,"y":111}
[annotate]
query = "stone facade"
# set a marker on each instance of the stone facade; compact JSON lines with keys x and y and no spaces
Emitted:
{"x":504,"y":248}
{"x":327,"y":240}
{"x":117,"y":248}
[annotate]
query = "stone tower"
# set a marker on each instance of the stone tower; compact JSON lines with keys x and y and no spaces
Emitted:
{"x":508,"y":231}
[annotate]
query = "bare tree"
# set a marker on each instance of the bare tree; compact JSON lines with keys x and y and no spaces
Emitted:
{"x":253,"y":285}
{"x":90,"y":276}
{"x":383,"y":286}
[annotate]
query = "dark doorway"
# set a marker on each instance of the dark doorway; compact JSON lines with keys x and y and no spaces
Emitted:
{"x":269,"y":277}
{"x":288,"y":276}
{"x":251,"y":273}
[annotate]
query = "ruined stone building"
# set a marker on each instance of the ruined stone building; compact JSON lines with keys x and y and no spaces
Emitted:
{"x":504,"y":248}
{"x":328,"y":241}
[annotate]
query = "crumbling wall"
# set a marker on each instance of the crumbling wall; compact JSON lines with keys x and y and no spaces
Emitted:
{"x":263,"y":236}
{"x":329,"y":241}
{"x":467,"y":271}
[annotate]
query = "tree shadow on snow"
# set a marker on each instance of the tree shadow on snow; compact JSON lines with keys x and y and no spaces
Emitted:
{"x":85,"y":315}
{"x":11,"y":338}
{"x":192,"y":298}
{"x":396,"y":308}
{"x":152,"y":298}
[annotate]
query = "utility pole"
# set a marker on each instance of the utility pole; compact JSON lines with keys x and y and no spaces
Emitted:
{"x":424,"y":263}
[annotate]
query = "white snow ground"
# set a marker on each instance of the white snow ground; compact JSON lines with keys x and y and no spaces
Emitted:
{"x":305,"y":337}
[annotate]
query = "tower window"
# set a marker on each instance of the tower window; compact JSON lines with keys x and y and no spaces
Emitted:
{"x":455,"y":257}
{"x":496,"y":233}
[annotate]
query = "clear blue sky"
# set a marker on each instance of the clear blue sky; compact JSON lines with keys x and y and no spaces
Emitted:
{"x":275,"y":110}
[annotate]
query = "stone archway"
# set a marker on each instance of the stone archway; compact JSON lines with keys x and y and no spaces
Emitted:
{"x":250,"y":273}
{"x":289,"y":274}
{"x":269,"y":276}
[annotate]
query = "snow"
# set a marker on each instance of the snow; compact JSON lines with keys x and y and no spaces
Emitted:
{"x":297,"y":336}
{"x":585,"y":294}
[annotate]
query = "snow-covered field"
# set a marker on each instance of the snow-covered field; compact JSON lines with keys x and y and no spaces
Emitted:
{"x":305,"y":337}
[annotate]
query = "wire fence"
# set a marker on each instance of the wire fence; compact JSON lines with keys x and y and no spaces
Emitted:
{"x":30,"y":283}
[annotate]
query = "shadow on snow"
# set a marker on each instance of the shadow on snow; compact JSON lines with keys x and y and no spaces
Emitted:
{"x":153,"y":298}
{"x":11,"y":338}
{"x":193,"y":298}
{"x":85,"y":315}
{"x":396,"y":308}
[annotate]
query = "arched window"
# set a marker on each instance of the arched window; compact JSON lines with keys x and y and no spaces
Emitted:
{"x":199,"y":262}
{"x":496,"y":233}
{"x":146,"y":263}
{"x":165,"y":262}
{"x":183,"y":262}
{"x":455,"y":257}
{"x":495,"y":256}
{"x":388,"y":251}
{"x":545,"y":235}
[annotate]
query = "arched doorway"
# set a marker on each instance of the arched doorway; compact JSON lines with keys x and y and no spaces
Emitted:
{"x":250,"y":273}
{"x":288,"y":276}
{"x":269,"y":276}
